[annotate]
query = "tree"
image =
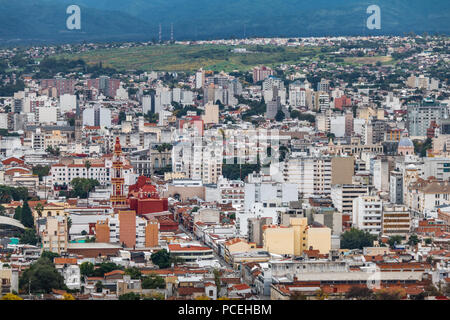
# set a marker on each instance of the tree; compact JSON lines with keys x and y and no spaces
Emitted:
{"x":133,"y":272}
{"x":431,"y":291}
{"x":41,"y":277}
{"x":154,"y":296}
{"x":217,"y":280}
{"x":356,"y":292}
{"x":39,"y":209}
{"x":130,"y":296}
{"x":26,"y":216}
{"x":29,"y":237}
{"x":10,"y":296}
{"x":68,"y":296}
{"x":82,"y":187}
{"x":428,"y":241}
{"x":153,"y":281}
{"x":356,"y":239}
{"x":161,"y":258}
{"x":321,"y":295}
{"x":41,"y":171}
{"x":202,"y":297}
{"x":390,"y":294}
{"x":2,"y":210}
{"x":49,"y":255}
{"x":413,"y":240}
{"x":98,"y":286}
{"x":87,"y":269}
{"x":18,"y":213}
{"x":279,"y":116}
{"x":395,"y":240}
{"x":105,"y":267}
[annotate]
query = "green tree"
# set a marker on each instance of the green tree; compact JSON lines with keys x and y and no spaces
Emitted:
{"x":413,"y":240}
{"x":279,"y":116}
{"x":82,"y":187}
{"x":130,"y":296}
{"x":39,"y":209}
{"x":161,"y":258}
{"x":26,"y":216}
{"x":395,"y":240}
{"x":49,"y":255}
{"x":356,"y":239}
{"x":105,"y":267}
{"x":29,"y":237}
{"x":87,"y":269}
{"x":41,"y":171}
{"x":133,"y":272}
{"x":361,"y":293}
{"x":2,"y":210}
{"x":153,"y":281}
{"x":98,"y":286}
{"x":18,"y":213}
{"x":41,"y":277}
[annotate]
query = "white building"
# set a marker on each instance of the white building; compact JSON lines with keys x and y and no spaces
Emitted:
{"x":67,"y":102}
{"x":312,"y":174}
{"x":367,"y":214}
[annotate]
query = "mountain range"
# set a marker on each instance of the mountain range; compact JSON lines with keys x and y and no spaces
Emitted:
{"x":122,"y":20}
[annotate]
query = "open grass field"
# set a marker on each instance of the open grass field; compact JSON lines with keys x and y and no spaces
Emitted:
{"x":190,"y":58}
{"x":369,"y":60}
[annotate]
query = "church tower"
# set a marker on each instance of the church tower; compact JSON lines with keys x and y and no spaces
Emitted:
{"x":118,"y":199}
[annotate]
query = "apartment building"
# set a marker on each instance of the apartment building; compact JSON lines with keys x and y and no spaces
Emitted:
{"x":367,"y":214}
{"x":396,"y":220}
{"x":343,"y":195}
{"x":312,"y":174}
{"x":55,"y":238}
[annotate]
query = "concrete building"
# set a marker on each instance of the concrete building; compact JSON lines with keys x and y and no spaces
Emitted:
{"x":421,"y":115}
{"x":396,"y":187}
{"x":367,"y":214}
{"x":55,"y":237}
{"x":343,"y":195}
{"x":312,"y":174}
{"x":396,"y":220}
{"x":296,"y":238}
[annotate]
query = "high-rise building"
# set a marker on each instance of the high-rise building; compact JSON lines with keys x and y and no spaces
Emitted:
{"x":367,"y":214}
{"x":420,"y":116}
{"x":396,"y":220}
{"x":261,"y":73}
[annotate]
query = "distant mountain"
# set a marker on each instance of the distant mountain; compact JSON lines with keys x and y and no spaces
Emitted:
{"x":45,"y":20}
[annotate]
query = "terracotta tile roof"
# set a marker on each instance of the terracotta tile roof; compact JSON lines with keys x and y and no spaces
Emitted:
{"x":114,"y":272}
{"x":65,"y":261}
{"x":187,"y":291}
{"x":240,"y":287}
{"x":177,"y":247}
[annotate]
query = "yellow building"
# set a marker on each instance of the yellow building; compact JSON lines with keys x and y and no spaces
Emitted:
{"x":50,"y":210}
{"x":55,"y":139}
{"x":296,"y":238}
{"x":319,"y":238}
{"x":237,"y":245}
{"x":55,"y":237}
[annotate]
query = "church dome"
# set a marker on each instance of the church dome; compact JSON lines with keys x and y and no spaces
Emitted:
{"x":406,"y":142}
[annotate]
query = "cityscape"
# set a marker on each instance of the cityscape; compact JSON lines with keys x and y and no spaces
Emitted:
{"x":237,"y":168}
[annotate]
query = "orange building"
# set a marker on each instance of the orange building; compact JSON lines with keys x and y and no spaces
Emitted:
{"x":127,"y":220}
{"x":102,"y":231}
{"x":152,"y":233}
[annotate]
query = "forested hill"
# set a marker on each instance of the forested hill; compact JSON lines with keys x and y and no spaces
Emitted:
{"x":45,"y":20}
